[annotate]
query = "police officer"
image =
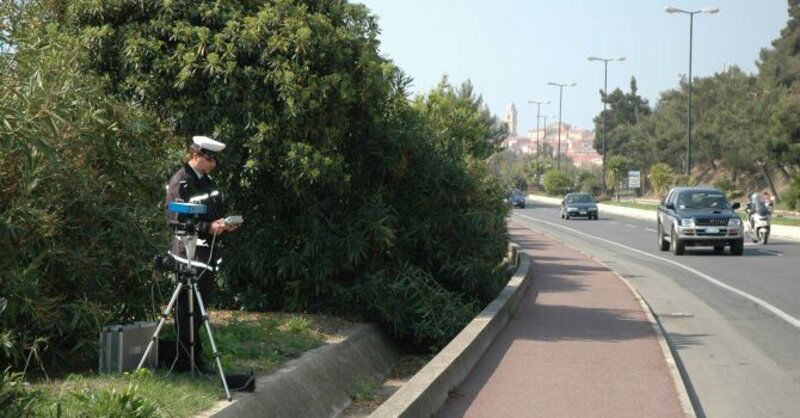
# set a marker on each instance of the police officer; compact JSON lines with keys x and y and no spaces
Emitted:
{"x":193,"y":184}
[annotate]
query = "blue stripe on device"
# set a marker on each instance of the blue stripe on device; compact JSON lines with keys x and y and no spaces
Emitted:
{"x":187,"y":208}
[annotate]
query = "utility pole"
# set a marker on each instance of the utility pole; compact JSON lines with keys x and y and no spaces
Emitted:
{"x":605,"y":102}
{"x":538,"y":104}
{"x":560,"y":101}
{"x":709,"y":10}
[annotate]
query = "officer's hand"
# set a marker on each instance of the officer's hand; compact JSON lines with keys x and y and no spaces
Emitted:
{"x":232,"y":227}
{"x":217,"y":227}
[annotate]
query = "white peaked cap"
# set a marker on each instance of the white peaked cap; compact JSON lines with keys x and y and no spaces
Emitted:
{"x":208,"y":144}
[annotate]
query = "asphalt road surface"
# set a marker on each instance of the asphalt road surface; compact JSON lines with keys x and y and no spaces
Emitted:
{"x":733,"y":321}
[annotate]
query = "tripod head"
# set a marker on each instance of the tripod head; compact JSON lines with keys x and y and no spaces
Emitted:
{"x":185,"y":225}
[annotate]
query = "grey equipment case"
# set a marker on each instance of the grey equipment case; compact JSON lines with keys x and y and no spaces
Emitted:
{"x":121,"y":347}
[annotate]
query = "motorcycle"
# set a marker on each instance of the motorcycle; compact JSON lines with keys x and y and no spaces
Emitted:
{"x":759,"y":216}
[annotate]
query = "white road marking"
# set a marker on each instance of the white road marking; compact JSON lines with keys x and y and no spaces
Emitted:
{"x":760,"y":302}
{"x":650,"y":230}
{"x":632,"y":226}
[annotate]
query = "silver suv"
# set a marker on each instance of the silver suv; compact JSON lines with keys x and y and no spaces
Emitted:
{"x":697,"y":217}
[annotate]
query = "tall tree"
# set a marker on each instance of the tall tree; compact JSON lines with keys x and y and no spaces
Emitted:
{"x":624,"y":110}
{"x":779,"y":71}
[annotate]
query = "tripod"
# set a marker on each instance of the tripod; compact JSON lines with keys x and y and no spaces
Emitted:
{"x":186,"y":275}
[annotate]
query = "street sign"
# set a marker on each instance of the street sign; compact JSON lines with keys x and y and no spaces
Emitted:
{"x":634,"y":179}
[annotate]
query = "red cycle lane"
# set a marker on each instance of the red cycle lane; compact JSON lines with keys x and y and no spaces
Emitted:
{"x":579,"y":345}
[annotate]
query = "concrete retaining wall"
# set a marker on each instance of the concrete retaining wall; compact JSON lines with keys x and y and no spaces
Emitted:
{"x":778,"y":231}
{"x":318,"y":384}
{"x":428,"y":390}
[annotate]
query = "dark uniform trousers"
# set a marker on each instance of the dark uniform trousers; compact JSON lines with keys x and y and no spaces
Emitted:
{"x":185,"y":185}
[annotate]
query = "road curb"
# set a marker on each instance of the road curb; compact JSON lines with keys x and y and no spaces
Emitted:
{"x":428,"y":390}
{"x":679,"y":380}
{"x":318,"y":384}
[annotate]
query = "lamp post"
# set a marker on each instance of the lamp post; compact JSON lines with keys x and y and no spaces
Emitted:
{"x":538,"y":104}
{"x":709,"y":10}
{"x":605,"y":102}
{"x":560,"y":100}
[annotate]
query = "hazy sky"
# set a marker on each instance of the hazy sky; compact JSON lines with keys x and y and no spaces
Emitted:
{"x":510,"y":49}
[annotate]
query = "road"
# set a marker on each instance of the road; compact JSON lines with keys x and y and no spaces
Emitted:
{"x":733,"y":321}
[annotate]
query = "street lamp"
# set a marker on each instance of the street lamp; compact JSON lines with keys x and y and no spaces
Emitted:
{"x":709,"y":10}
{"x":560,"y":99}
{"x":544,"y":133}
{"x":605,"y":101}
{"x":538,"y":104}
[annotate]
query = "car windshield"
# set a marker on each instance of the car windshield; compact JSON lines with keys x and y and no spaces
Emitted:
{"x":579,"y":198}
{"x":702,"y":199}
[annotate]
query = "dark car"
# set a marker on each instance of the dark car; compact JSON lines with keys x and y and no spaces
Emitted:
{"x":578,"y":205}
{"x":698,"y":217}
{"x":516,"y":198}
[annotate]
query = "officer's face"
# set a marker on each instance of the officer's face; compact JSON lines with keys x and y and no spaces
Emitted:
{"x":203,"y":163}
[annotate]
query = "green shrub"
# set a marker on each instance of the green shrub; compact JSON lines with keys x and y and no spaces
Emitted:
{"x":80,"y":178}
{"x":791,"y":197}
{"x":110,"y":403}
{"x":589,"y":183}
{"x":355,"y":199}
{"x":726,"y":185}
{"x":16,"y":400}
{"x":557,"y":183}
{"x":661,"y":178}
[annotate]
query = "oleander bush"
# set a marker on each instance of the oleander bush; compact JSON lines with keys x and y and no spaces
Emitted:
{"x":357,"y":201}
{"x":81,"y":176}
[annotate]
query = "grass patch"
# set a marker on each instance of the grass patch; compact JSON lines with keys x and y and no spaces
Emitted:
{"x":785,"y":220}
{"x":262,"y":343}
{"x":257,"y":341}
{"x":140,"y":394}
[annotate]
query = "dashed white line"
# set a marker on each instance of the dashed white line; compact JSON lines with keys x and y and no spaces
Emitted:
{"x":764,"y":304}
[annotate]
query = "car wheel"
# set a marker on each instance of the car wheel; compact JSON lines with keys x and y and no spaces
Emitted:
{"x":678,"y":247}
{"x":719,"y":249}
{"x":663,"y":244}
{"x":737,"y":246}
{"x":566,"y":216}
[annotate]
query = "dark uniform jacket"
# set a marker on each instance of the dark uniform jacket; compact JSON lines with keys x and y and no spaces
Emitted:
{"x":186,"y":186}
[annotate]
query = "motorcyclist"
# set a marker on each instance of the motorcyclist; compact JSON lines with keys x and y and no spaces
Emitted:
{"x":751,"y":208}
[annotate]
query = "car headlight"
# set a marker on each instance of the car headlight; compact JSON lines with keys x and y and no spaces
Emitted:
{"x":572,"y":208}
{"x":734,"y":222}
{"x":593,"y":209}
{"x":688,"y":222}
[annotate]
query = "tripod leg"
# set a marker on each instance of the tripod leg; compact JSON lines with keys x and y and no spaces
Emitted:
{"x":192,"y":289}
{"x":164,"y":316}
{"x":213,"y":344}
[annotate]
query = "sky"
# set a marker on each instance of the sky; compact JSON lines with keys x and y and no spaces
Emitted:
{"x":511,"y":49}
